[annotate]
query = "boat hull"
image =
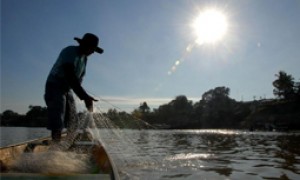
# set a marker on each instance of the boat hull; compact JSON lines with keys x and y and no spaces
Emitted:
{"x":105,"y":168}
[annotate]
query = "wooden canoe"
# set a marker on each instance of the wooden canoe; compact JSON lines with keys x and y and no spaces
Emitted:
{"x":103,"y":166}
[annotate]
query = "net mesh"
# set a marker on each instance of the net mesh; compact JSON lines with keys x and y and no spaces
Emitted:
{"x":109,"y":128}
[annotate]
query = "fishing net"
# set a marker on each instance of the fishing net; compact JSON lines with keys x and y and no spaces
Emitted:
{"x":110,"y":129}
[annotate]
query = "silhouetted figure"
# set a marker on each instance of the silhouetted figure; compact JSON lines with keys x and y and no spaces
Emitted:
{"x":66,"y":74}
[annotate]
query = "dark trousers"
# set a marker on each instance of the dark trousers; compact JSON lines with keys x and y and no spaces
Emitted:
{"x":61,"y":108}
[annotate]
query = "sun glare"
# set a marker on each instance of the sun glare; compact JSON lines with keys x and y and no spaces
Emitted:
{"x":210,"y":26}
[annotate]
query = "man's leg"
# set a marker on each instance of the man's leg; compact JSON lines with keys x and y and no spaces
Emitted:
{"x":56,"y":106}
{"x":56,"y":135}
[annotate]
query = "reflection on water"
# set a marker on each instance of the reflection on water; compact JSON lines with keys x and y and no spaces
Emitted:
{"x":207,"y":154}
{"x":15,"y":135}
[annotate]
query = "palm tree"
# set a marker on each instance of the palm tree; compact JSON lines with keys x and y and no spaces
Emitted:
{"x":284,"y":86}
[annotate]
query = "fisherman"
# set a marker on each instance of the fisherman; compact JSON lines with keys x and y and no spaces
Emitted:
{"x":66,"y":75}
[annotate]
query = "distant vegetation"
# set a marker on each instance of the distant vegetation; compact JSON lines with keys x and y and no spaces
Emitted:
{"x":215,"y":110}
{"x":35,"y":117}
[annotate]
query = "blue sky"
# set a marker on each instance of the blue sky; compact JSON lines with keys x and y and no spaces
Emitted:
{"x":142,"y":40}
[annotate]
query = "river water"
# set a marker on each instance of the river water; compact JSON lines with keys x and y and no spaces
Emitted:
{"x":192,"y":154}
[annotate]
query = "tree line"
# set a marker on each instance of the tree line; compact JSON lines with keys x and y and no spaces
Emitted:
{"x":215,"y":110}
{"x":35,"y":117}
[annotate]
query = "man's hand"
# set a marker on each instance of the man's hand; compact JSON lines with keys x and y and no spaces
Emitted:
{"x":89,"y":103}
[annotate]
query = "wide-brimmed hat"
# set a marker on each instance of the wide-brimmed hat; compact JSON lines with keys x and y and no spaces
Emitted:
{"x":90,"y":40}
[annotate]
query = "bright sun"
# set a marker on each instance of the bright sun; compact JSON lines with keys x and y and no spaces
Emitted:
{"x":210,"y":26}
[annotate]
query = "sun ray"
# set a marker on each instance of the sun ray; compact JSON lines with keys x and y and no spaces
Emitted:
{"x":210,"y":26}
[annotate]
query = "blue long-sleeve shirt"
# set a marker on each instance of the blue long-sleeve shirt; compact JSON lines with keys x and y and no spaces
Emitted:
{"x":69,"y":70}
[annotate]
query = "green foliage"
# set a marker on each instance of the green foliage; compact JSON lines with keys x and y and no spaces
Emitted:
{"x":218,"y":108}
{"x":36,"y":111}
{"x":10,"y":117}
{"x":297,"y":90}
{"x":175,"y":114}
{"x":284,"y":86}
{"x":144,"y":108}
{"x":35,"y":117}
{"x":215,"y":110}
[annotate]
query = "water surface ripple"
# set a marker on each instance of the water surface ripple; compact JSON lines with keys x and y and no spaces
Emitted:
{"x":205,"y":154}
